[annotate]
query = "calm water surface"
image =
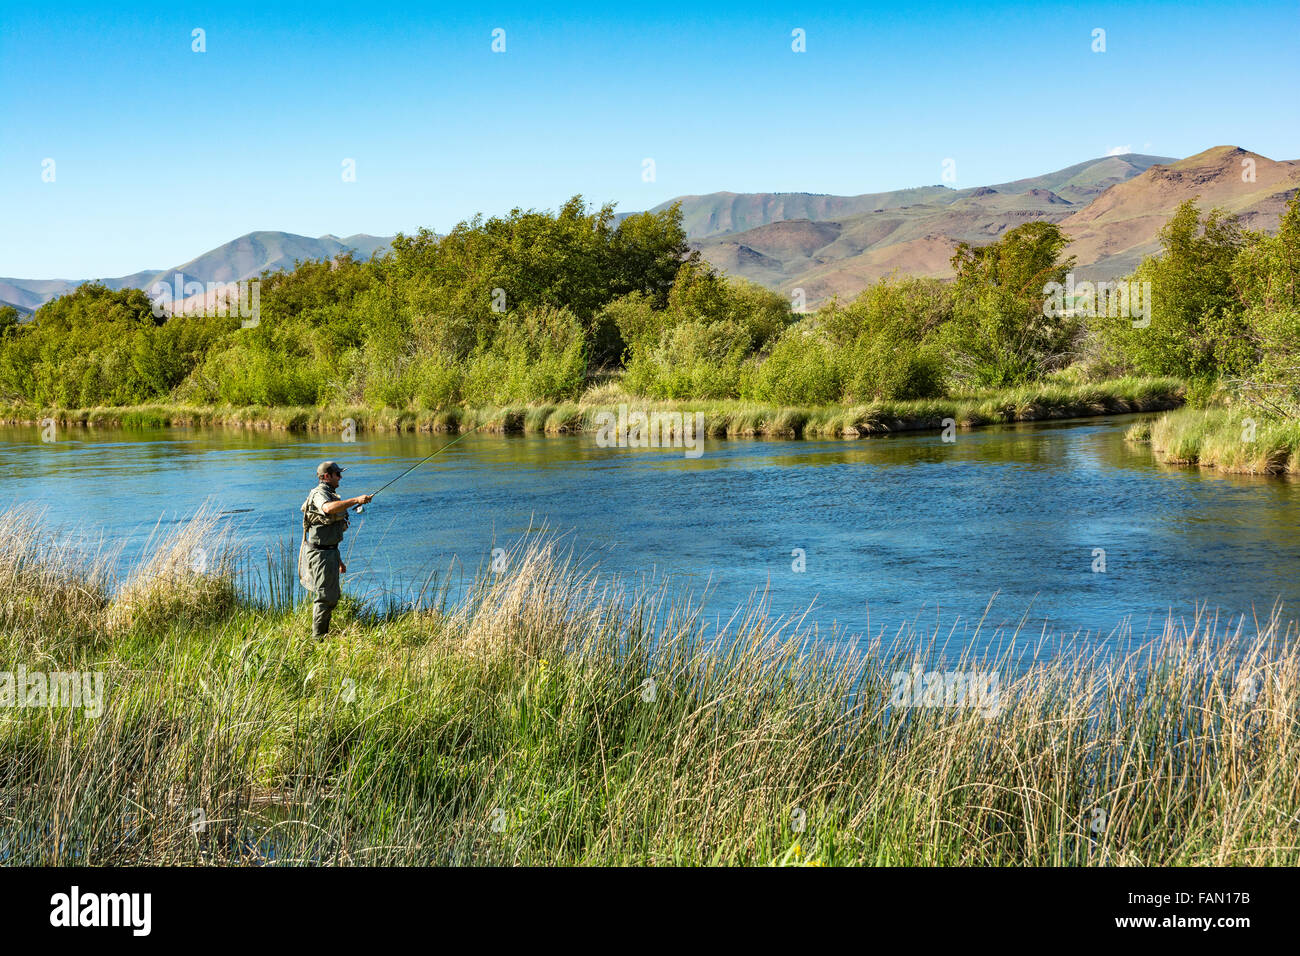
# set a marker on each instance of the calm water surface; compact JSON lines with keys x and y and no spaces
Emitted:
{"x":893,"y":529}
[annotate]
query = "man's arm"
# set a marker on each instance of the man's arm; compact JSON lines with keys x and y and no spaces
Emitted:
{"x":343,"y":504}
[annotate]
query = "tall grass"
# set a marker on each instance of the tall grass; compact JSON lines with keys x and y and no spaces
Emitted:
{"x":1233,"y":440}
{"x":554,"y":717}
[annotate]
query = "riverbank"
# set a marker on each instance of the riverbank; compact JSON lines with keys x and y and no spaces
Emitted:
{"x":1235,"y":441}
{"x":550,"y":720}
{"x":722,"y":418}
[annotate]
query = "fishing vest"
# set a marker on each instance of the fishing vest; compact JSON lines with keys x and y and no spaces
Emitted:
{"x":319,"y":530}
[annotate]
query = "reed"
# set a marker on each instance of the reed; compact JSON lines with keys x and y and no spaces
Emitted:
{"x":1234,"y":440}
{"x":724,"y":418}
{"x":556,"y":717}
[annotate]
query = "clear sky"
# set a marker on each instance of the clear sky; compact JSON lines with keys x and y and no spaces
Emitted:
{"x":161,"y":153}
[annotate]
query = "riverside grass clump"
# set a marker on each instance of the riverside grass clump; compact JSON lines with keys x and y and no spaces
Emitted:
{"x":551,"y":717}
{"x":1235,"y":440}
{"x":724,"y":418}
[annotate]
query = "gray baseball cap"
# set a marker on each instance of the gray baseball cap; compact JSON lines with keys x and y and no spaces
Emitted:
{"x":328,"y":466}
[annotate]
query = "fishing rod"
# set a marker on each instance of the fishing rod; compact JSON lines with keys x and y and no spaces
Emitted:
{"x":360,"y":508}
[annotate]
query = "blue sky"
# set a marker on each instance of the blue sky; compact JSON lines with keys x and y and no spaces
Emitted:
{"x":162,"y":153}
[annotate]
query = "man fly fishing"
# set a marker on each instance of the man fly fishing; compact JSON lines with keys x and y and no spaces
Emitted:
{"x":324,"y":519}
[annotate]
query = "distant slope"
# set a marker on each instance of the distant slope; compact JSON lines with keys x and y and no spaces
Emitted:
{"x":1112,"y":208}
{"x":716,"y":214}
{"x":1113,"y":233}
{"x":1120,"y":204}
{"x":860,"y":249}
{"x":23,"y":313}
{"x":242,"y":258}
{"x":253,"y":254}
{"x":33,"y":293}
{"x":1084,"y":182}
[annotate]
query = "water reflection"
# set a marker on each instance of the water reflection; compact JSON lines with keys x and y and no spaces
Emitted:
{"x":892,"y":528}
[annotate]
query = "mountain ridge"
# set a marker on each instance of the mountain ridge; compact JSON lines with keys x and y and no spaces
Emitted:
{"x":1109,"y":235}
{"x":708,"y":215}
{"x":1111,"y":207}
{"x":245,"y":257}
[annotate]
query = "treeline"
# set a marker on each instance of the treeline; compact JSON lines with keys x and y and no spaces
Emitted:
{"x":523,"y":308}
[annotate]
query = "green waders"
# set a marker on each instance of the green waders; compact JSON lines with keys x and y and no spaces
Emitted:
{"x":322,"y":570}
{"x":318,"y":558}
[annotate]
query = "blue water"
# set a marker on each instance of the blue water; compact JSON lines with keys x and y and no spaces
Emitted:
{"x":893,"y":530}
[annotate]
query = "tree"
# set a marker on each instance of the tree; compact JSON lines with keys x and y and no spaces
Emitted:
{"x":1000,"y":334}
{"x":1266,"y":275}
{"x":1195,"y":329}
{"x":8,"y":320}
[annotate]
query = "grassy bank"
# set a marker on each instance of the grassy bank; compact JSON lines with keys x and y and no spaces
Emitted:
{"x":723,"y":418}
{"x":555,"y":719}
{"x":1227,"y":439}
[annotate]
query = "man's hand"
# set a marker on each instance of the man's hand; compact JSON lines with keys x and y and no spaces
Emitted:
{"x":343,"y":504}
{"x":343,"y":568}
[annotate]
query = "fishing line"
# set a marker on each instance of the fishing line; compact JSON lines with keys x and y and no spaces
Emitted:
{"x":359,"y":508}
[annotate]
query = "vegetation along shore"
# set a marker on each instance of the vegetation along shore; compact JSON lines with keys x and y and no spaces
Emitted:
{"x":732,"y":418}
{"x":484,"y":327}
{"x":486,"y":324}
{"x":555,"y":718}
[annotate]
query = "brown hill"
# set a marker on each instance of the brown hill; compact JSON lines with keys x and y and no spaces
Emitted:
{"x":714,"y":215}
{"x":1113,"y":233}
{"x":927,"y":256}
{"x":840,"y":258}
{"x":1112,"y":227}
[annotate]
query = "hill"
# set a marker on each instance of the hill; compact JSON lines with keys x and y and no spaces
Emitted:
{"x":241,"y":258}
{"x":1118,"y":207}
{"x":716,"y":214}
{"x":1112,"y":207}
{"x":1113,"y":233}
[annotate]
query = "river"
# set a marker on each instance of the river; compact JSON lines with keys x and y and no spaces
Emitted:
{"x":887,"y":530}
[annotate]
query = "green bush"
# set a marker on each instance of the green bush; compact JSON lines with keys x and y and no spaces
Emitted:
{"x":801,"y":369}
{"x":1000,"y":334}
{"x":1195,"y":328}
{"x":517,"y":309}
{"x":695,"y":359}
{"x":435,"y":321}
